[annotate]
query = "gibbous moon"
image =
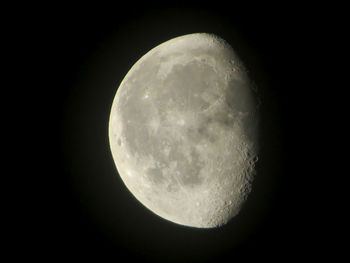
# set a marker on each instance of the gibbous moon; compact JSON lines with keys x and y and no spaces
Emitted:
{"x":183,"y":131}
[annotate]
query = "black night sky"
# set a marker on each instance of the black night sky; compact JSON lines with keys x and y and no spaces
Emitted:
{"x":80,"y":209}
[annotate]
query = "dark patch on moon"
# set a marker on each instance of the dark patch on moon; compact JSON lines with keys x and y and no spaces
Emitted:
{"x":155,"y":175}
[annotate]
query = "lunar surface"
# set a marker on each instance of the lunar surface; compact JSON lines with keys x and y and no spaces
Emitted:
{"x":183,"y":131}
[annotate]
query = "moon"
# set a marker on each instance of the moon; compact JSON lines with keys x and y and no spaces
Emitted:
{"x":183,"y":131}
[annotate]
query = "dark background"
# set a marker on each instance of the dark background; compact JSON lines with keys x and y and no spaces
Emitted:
{"x":79,"y":208}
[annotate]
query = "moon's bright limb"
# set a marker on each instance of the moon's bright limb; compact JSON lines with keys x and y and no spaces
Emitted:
{"x":183,"y":131}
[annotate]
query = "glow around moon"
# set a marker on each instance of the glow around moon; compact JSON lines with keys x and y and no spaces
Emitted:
{"x":183,"y":131}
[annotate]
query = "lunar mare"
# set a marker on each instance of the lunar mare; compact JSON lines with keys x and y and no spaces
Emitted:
{"x":183,"y":131}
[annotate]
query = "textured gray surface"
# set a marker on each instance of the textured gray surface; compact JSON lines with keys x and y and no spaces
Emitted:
{"x":183,"y":131}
